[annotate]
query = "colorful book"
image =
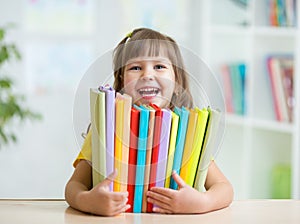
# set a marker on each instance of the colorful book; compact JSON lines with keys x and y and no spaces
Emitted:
{"x":98,"y":124}
{"x":141,"y":159}
{"x":183,"y":114}
{"x":197,"y":145}
{"x":173,"y":136}
{"x":133,"y":147}
{"x":155,"y":149}
{"x":281,"y":79}
{"x":148,"y":155}
{"x":125,"y":141}
{"x":209,"y":148}
{"x":188,"y":145}
{"x":225,"y":72}
{"x":110,"y":129}
{"x":118,"y":139}
{"x":237,"y":88}
{"x":163,"y":148}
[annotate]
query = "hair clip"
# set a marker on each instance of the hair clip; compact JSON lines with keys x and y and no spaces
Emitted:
{"x":129,"y":35}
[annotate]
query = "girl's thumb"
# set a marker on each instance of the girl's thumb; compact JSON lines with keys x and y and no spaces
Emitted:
{"x":178,"y":179}
{"x":110,"y":178}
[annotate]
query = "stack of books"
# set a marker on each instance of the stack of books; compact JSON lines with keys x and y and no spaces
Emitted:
{"x":146,"y":143}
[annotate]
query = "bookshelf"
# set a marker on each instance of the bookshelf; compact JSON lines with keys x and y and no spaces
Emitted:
{"x":255,"y":142}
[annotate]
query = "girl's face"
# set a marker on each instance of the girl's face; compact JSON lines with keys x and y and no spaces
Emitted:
{"x":150,"y":80}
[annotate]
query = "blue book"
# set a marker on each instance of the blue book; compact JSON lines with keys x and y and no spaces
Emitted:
{"x":141,"y":159}
{"x":242,"y":70}
{"x":180,"y":140}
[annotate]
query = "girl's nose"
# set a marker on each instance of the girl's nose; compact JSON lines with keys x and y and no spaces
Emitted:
{"x":147,"y":75}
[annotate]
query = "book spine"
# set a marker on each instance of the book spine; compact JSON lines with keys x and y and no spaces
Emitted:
{"x":148,"y":158}
{"x":155,"y":150}
{"x":118,"y":140}
{"x":125,"y":142}
{"x":95,"y":139}
{"x":183,"y":121}
{"x":141,"y":157}
{"x":163,"y":148}
{"x":110,"y":129}
{"x":188,"y":145}
{"x":173,"y":136}
{"x":225,"y":72}
{"x":209,"y":148}
{"x":197,"y":145}
{"x":132,"y":160}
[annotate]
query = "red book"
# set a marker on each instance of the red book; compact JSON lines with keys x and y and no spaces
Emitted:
{"x":133,"y":146}
{"x":155,"y":150}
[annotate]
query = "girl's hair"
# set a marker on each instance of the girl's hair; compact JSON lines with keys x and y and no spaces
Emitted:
{"x":147,"y":42}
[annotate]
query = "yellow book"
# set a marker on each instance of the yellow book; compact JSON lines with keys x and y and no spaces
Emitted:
{"x":97,"y":111}
{"x":125,"y":141}
{"x":209,"y":148}
{"x":119,"y":113}
{"x":197,"y":145}
{"x":173,"y":137}
{"x":187,"y":151}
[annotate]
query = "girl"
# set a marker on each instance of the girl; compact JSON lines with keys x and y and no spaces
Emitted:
{"x":149,"y":67}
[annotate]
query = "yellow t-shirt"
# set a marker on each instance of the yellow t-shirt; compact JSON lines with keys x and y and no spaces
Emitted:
{"x":86,"y":150}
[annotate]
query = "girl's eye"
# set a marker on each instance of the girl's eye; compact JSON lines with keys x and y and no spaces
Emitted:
{"x":159,"y":66}
{"x":135,"y":68}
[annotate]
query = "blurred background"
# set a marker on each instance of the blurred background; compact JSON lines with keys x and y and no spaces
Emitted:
{"x":58,"y":40}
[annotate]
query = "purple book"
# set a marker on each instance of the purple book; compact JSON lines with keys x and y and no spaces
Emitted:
{"x":110,"y":128}
{"x":163,"y":148}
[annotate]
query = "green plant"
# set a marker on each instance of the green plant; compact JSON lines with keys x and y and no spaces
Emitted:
{"x":11,"y":104}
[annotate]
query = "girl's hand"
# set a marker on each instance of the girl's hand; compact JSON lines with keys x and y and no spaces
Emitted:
{"x":100,"y":201}
{"x":184,"y":200}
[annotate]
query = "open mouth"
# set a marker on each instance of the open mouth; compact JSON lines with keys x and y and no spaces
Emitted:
{"x":148,"y":92}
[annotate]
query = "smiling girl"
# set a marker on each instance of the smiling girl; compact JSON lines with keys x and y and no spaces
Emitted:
{"x":147,"y":66}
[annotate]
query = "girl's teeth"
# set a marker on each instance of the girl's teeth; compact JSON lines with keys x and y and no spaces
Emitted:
{"x":148,"y":91}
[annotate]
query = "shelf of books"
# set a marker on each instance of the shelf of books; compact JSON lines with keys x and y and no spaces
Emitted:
{"x":253,"y":47}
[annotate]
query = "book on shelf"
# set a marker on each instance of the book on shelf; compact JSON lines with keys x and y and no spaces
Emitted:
{"x":280,"y":71}
{"x":156,"y":142}
{"x":282,"y":13}
{"x":233,"y":76}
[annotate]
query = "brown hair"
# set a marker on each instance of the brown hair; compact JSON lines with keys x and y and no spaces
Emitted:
{"x":147,"y":42}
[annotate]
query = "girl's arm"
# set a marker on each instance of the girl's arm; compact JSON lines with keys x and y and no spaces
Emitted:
{"x":98,"y":200}
{"x":219,"y":195}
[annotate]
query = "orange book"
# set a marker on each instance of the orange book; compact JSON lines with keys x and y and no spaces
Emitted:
{"x":125,"y":141}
